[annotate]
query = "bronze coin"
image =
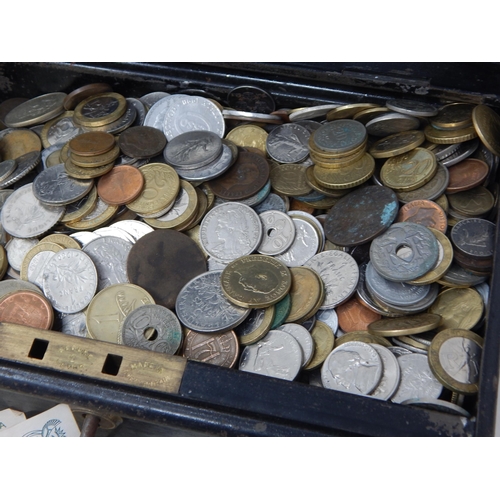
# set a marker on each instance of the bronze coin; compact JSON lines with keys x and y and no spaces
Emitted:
{"x":121,"y":185}
{"x":361,"y":215}
{"x":142,"y":142}
{"x":245,"y":178}
{"x":78,"y":95}
{"x":27,"y":308}
{"x":354,"y":316}
{"x":92,"y":143}
{"x":162,"y":262}
{"x":219,"y":349}
{"x":424,"y":212}
{"x":467,"y":174}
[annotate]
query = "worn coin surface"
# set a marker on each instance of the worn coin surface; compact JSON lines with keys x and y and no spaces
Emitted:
{"x":391,"y":373}
{"x":288,"y":143}
{"x":339,"y":136}
{"x":424,"y":212}
{"x":354,"y":316}
{"x":303,"y":337}
{"x":431,"y":190}
{"x":219,"y":349}
{"x":142,"y":142}
{"x":453,"y":116}
{"x":391,"y":123}
{"x":252,"y":99}
{"x":474,"y":237}
{"x":411,"y":107}
{"x":37,"y":110}
{"x":26,"y":308}
{"x":466,"y":175}
{"x":278,"y":232}
{"x":487,"y":124}
{"x":193,"y":149}
{"x":24,"y":165}
{"x":121,"y":185}
{"x":100,"y":109}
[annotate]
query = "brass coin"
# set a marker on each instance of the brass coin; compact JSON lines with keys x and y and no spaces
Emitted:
{"x":397,"y":144}
{"x":101,"y":215}
{"x":313,"y":184}
{"x":451,"y":136}
{"x":81,"y":208}
{"x":46,"y":246}
{"x":18,"y":142}
{"x":78,"y":95}
{"x":100,"y":109}
{"x":305,"y":293}
{"x":261,"y":328}
{"x":62,"y":240}
{"x":487,"y":125}
{"x":337,"y":162}
{"x":408,"y":325}
{"x":336,"y":155}
{"x":256,"y":281}
{"x":324,"y":341}
{"x":92,"y":143}
{"x":346,"y":177}
{"x":453,"y":116}
{"x":362,"y":336}
{"x":454,"y":358}
{"x":249,"y":136}
{"x":142,"y":142}
{"x":121,"y":185}
{"x":95,"y":161}
{"x":368,"y":114}
{"x":4,"y":263}
{"x":431,"y":190}
{"x":86,"y":173}
{"x":458,"y":308}
{"x":349,"y":110}
{"x":409,"y":171}
{"x":289,"y":180}
{"x":473,"y":202}
{"x":201,"y":210}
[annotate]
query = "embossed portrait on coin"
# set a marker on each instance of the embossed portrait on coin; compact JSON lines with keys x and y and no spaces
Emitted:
{"x":460,"y":358}
{"x":256,"y":281}
{"x":232,"y":232}
{"x":357,"y":372}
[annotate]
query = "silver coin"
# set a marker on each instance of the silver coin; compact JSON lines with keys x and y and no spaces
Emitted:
{"x":313,"y":220}
{"x":215,"y":265}
{"x":457,"y":275}
{"x":442,"y":151}
{"x":25,"y":164}
{"x":330,"y":317}
{"x":187,"y":113}
{"x":273,"y":201}
{"x":278,"y":232}
{"x":413,"y":108}
{"x":135,"y":228}
{"x":114,"y":231}
{"x":339,"y":273}
{"x":140,"y":111}
{"x":55,"y":187}
{"x":310,"y":323}
{"x":408,"y":347}
{"x":109,"y":255}
{"x":40,"y":109}
{"x":125,"y":121}
{"x":398,"y":351}
{"x":474,"y":237}
{"x":247,"y":116}
{"x":484,"y":290}
{"x":84,"y":237}
{"x":167,"y":334}
{"x":353,"y":367}
{"x":305,"y":244}
{"x":157,"y":214}
{"x":36,"y":267}
{"x":340,"y":135}
{"x":152,"y":98}
{"x":14,"y":285}
{"x":391,"y":123}
{"x":48,"y":152}
{"x":62,"y":131}
{"x":6,"y":168}
{"x":70,"y":280}
{"x":229,"y":231}
{"x":180,"y":205}
{"x":417,"y":380}
{"x":312,"y":112}
{"x":24,"y":216}
{"x":251,"y":323}
{"x":301,"y":334}
{"x":310,"y":125}
{"x":17,"y":248}
{"x":288,"y":143}
{"x":277,"y":355}
{"x":155,"y":116}
{"x":202,"y":306}
{"x":257,"y":198}
{"x":390,"y":376}
{"x":404,"y":252}
{"x":193,"y":149}
{"x":73,"y":324}
{"x":459,"y":357}
{"x":465,"y":150}
{"x":438,"y":405}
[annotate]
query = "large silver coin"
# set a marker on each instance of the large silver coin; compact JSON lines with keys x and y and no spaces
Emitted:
{"x":188,"y":113}
{"x":273,"y":201}
{"x":288,"y":143}
{"x":391,"y":123}
{"x":229,"y":231}
{"x":109,"y":255}
{"x":303,"y":337}
{"x":277,"y":355}
{"x":278,"y":232}
{"x":417,"y":380}
{"x":70,"y":281}
{"x":155,"y":116}
{"x":24,"y":216}
{"x":36,"y":267}
{"x":37,"y":110}
{"x":167,"y":331}
{"x":339,"y":273}
{"x":391,"y":374}
{"x":413,"y":108}
{"x":406,"y":251}
{"x":353,"y":367}
{"x":114,"y":231}
{"x":193,"y":149}
{"x":135,"y":228}
{"x":202,"y":306}
{"x":25,"y":164}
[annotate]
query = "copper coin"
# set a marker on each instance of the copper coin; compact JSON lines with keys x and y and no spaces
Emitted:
{"x":245,"y":178}
{"x":27,"y":308}
{"x":162,"y":262}
{"x":354,"y":316}
{"x":142,"y":142}
{"x":467,"y":174}
{"x":121,"y":185}
{"x":92,"y":143}
{"x":424,"y":212}
{"x":219,"y":349}
{"x":82,"y":93}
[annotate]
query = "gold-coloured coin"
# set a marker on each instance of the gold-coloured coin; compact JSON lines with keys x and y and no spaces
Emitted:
{"x":449,"y":136}
{"x":325,"y":155}
{"x":454,"y":358}
{"x":194,"y":234}
{"x":62,"y":240}
{"x":453,"y":116}
{"x":305,"y":293}
{"x":101,"y":214}
{"x":348,"y":177}
{"x":445,"y":260}
{"x":46,"y":128}
{"x":313,"y":184}
{"x":442,"y":201}
{"x":100,"y":109}
{"x":161,"y":187}
{"x":408,"y":325}
{"x":251,"y":136}
{"x":324,"y":342}
{"x":77,"y":211}
{"x":4,"y":263}
{"x":397,"y":144}
{"x":349,"y":110}
{"x":368,"y":114}
{"x":86,"y":173}
{"x":256,"y":281}
{"x":261,"y":330}
{"x":409,"y":171}
{"x":53,"y":159}
{"x":324,"y":204}
{"x":487,"y":125}
{"x":96,"y":160}
{"x":345,"y":161}
{"x":459,"y":308}
{"x":201,"y":210}
{"x":18,"y":142}
{"x":362,"y":336}
{"x":473,"y":202}
{"x":46,"y":246}
{"x":289,"y":179}
{"x":179,"y":215}
{"x":413,"y":343}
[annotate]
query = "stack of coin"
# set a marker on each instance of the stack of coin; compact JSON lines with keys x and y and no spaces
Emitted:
{"x":451,"y":125}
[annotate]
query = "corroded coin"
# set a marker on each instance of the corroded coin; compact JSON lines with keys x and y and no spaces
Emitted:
{"x":221,"y":349}
{"x":165,"y":252}
{"x":142,"y":142}
{"x":27,"y":308}
{"x":255,"y":281}
{"x":288,"y":143}
{"x":361,"y":215}
{"x":37,"y":110}
{"x":424,"y":212}
{"x":473,"y":202}
{"x":121,"y":185}
{"x":466,"y":175}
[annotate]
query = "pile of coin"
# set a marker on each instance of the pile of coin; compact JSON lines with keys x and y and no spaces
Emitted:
{"x":347,"y":246}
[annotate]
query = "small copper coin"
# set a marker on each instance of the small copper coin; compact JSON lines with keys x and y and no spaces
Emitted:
{"x":219,"y":349}
{"x":82,"y":93}
{"x":92,"y":143}
{"x":121,"y":185}
{"x":162,"y":262}
{"x":27,"y":308}
{"x":142,"y":142}
{"x":354,"y":316}
{"x":245,"y":178}
{"x":424,"y":212}
{"x":467,"y":174}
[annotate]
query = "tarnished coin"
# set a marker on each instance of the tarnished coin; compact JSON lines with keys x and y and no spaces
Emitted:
{"x":202,"y":306}
{"x":92,"y":143}
{"x":353,"y":367}
{"x":120,"y":124}
{"x":391,"y":374}
{"x":453,"y":116}
{"x":431,"y":190}
{"x":142,"y":142}
{"x":165,"y":252}
{"x":361,"y":215}
{"x":463,"y":151}
{"x":26,"y":308}
{"x":277,"y":355}
{"x":121,"y":185}
{"x":255,"y":281}
{"x":413,"y":108}
{"x":487,"y":124}
{"x":193,"y":149}
{"x":37,"y":110}
{"x":424,"y":212}
{"x":273,"y":201}
{"x":289,"y":179}
{"x":397,"y":144}
{"x":339,"y":136}
{"x":81,"y":93}
{"x":219,"y":349}
{"x":252,"y":99}
{"x":474,"y":237}
{"x":167,"y":336}
{"x":466,"y":175}
{"x":7,"y":167}
{"x":391,"y":123}
{"x":100,"y":109}
{"x":473,"y":202}
{"x":278,"y":232}
{"x":288,"y":143}
{"x":18,"y":142}
{"x":70,"y":280}
{"x":255,"y":326}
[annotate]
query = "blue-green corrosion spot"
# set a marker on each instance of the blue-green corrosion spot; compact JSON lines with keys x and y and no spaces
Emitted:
{"x":388,"y":213}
